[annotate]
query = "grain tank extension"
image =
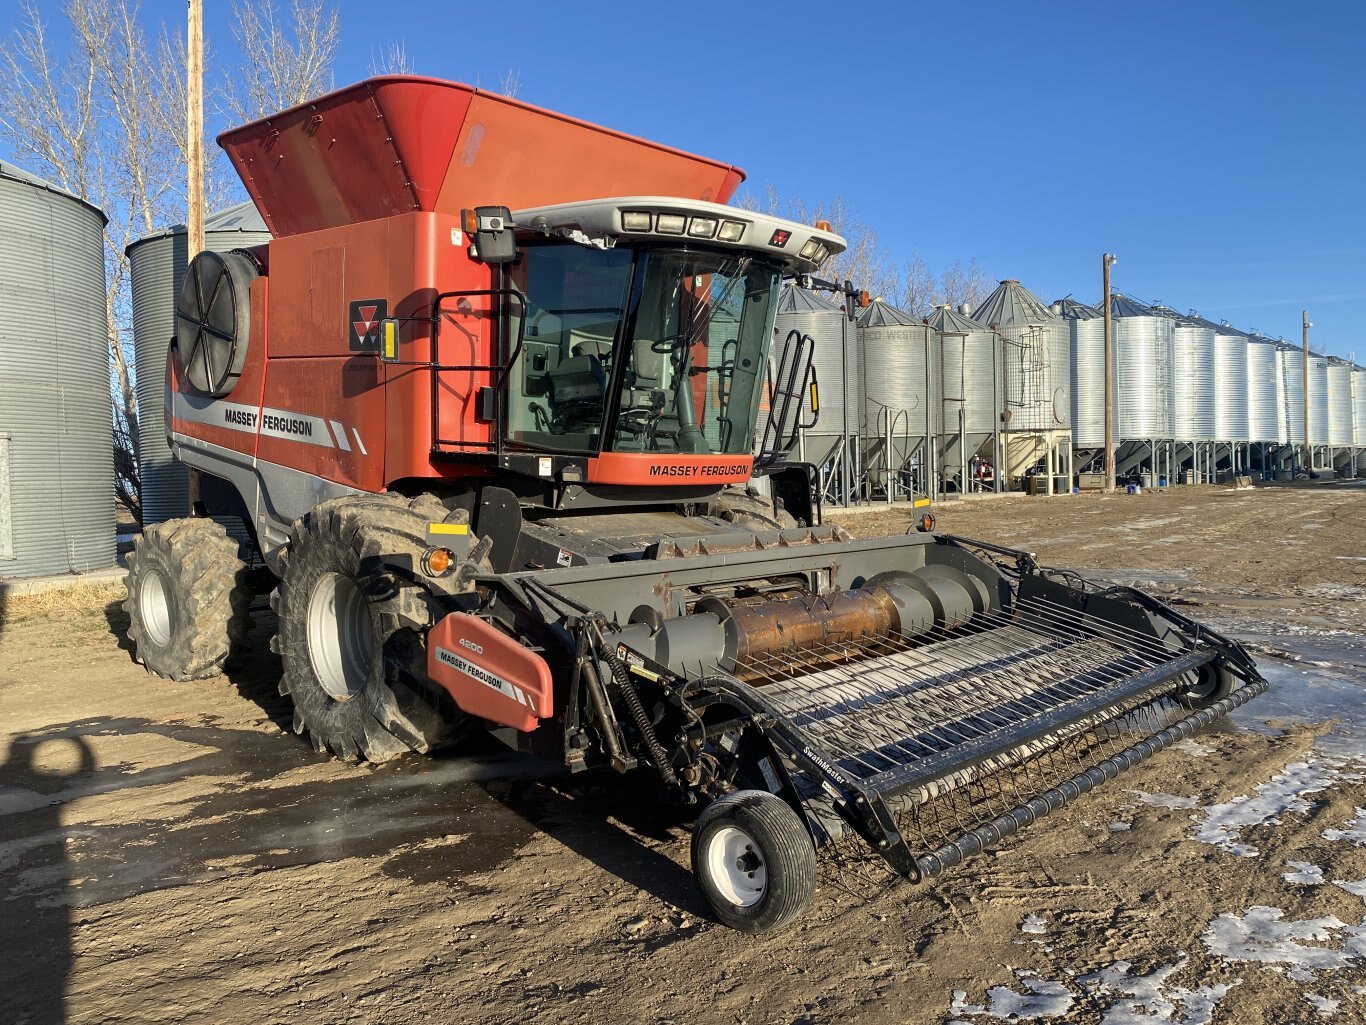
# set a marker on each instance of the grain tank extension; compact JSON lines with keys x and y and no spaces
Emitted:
{"x":488,"y":400}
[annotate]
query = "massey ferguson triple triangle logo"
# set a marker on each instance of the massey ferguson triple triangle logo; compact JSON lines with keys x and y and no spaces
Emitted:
{"x":364,"y":320}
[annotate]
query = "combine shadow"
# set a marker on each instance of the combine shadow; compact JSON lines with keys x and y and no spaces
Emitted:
{"x":618,"y":823}
{"x":35,"y":943}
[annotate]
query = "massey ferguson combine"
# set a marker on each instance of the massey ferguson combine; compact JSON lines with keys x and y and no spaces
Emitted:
{"x":483,"y":402}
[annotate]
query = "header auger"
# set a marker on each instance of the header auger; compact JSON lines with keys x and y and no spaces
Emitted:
{"x":486,"y":406}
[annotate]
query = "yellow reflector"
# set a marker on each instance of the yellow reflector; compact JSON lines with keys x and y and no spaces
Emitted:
{"x":815,"y":398}
{"x":390,"y":328}
{"x":448,"y":528}
{"x":921,"y":502}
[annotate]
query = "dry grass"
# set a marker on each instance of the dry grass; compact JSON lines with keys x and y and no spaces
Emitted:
{"x":78,"y":600}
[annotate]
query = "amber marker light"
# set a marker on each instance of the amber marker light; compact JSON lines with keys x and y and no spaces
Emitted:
{"x":436,"y":562}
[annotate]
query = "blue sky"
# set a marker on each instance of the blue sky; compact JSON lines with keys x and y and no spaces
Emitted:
{"x":1218,"y":148}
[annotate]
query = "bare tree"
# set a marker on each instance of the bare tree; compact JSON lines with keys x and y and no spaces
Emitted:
{"x":286,"y":59}
{"x":103,"y":116}
{"x":393,"y":60}
{"x":92,"y":119}
{"x":918,"y":290}
{"x":959,"y":285}
{"x":510,"y":82}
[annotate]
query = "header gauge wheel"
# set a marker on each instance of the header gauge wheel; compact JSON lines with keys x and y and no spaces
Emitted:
{"x":754,"y":860}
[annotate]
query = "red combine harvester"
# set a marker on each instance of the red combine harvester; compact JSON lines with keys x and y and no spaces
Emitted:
{"x":492,"y":460}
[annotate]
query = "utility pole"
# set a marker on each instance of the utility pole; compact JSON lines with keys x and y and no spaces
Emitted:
{"x":1107,"y":261}
{"x":194,"y":127}
{"x":194,"y":144}
{"x":1308,"y":448}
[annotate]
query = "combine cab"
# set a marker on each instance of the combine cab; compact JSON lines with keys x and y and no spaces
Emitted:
{"x":487,"y":405}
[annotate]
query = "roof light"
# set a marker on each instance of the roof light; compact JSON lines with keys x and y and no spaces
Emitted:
{"x":821,"y":253}
{"x":808,"y":251}
{"x":671,"y":224}
{"x":732,"y":231}
{"x":702,"y":227}
{"x":635,"y":220}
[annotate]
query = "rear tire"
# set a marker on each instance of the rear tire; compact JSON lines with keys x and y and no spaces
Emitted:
{"x":353,"y":664}
{"x":188,"y":598}
{"x":754,"y":860}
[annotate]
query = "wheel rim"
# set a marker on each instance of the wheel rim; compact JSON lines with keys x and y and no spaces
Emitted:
{"x":1202,"y":683}
{"x":340,"y":639}
{"x":154,"y":607}
{"x":736,"y":866}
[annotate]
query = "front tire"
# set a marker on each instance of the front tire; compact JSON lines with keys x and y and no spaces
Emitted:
{"x":352,"y":664}
{"x":1204,"y":686}
{"x":754,"y":860}
{"x":188,"y":598}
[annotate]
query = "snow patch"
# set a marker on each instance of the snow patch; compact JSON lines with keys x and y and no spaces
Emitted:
{"x":1223,"y":823}
{"x":1034,"y":924}
{"x":1306,"y":873}
{"x":1042,"y":998}
{"x":1326,"y":1006}
{"x":1120,"y":827}
{"x":1165,"y":800}
{"x":1124,"y":998}
{"x":1193,"y":748}
{"x":1260,"y":934}
{"x":1356,"y":888}
{"x":1355,"y":831}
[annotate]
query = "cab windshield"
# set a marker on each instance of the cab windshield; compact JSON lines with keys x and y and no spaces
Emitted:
{"x":678,"y":339}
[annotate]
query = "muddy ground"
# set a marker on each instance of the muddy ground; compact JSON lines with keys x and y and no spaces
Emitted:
{"x":170,"y":853}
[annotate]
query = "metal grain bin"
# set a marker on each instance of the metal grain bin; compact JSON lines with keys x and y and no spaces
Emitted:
{"x":835,"y":357}
{"x":56,"y":426}
{"x":157,"y":265}
{"x":1143,"y":343}
{"x":1035,"y":348}
{"x":1318,"y":400}
{"x":1339,"y":374}
{"x":968,"y":365}
{"x":1193,"y":386}
{"x":1264,"y":424}
{"x":1290,"y":363}
{"x":1359,"y":407}
{"x":898,"y":346}
{"x":1231,"y":385}
{"x":1086,"y":331}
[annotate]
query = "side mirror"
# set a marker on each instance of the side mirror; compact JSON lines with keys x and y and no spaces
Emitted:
{"x":490,"y":227}
{"x":388,"y":340}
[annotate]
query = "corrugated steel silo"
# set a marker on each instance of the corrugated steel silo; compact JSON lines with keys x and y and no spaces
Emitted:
{"x":1193,"y":387}
{"x":1318,"y":400}
{"x":157,"y":266}
{"x":1035,"y":348}
{"x":1231,"y":385}
{"x":1339,"y":374}
{"x":1086,"y":329}
{"x":1143,"y":344}
{"x":1359,"y":407}
{"x":1290,"y":362}
{"x":56,"y":452}
{"x":1264,"y":422}
{"x":835,"y":358}
{"x":898,"y":346}
{"x":967,"y":359}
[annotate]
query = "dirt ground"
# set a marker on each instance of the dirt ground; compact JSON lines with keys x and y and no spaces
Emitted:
{"x":171,"y":853}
